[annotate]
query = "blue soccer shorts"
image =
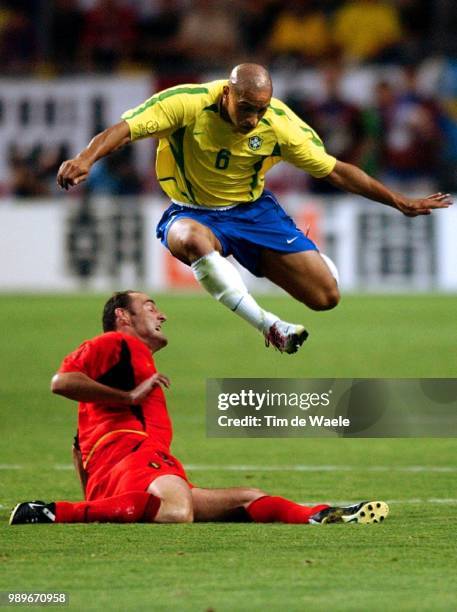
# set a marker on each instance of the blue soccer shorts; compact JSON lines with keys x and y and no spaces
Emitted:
{"x":244,"y":230}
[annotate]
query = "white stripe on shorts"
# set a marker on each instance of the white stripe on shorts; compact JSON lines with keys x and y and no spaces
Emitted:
{"x":198,"y":207}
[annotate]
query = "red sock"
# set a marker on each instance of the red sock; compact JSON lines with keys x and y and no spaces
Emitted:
{"x":133,"y":507}
{"x":271,"y":509}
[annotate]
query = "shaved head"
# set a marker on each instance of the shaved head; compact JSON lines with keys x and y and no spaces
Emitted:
{"x":246,"y":97}
{"x":250,"y":78}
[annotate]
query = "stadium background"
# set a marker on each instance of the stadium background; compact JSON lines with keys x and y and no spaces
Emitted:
{"x":378,"y":81}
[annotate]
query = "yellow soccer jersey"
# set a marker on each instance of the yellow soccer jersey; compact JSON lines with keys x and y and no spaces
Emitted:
{"x":202,"y":160}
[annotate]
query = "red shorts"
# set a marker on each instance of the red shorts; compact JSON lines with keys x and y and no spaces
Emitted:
{"x":133,"y":472}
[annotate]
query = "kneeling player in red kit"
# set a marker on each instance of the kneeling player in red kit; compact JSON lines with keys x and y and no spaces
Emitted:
{"x":124,"y":436}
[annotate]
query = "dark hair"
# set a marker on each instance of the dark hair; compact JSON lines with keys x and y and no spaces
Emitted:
{"x":119,"y":299}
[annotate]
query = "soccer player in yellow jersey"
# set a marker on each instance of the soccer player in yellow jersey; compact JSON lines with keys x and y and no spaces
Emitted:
{"x":216,"y":142}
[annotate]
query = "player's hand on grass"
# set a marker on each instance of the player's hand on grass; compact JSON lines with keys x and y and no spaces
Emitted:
{"x":141,"y":392}
{"x":412,"y":207}
{"x":72,"y":172}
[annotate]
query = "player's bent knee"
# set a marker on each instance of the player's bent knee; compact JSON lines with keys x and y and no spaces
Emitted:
{"x":193,"y":244}
{"x":324,"y":299}
{"x":176,"y":499}
{"x":189,"y":242}
{"x":331,"y":298}
{"x":182,"y":513}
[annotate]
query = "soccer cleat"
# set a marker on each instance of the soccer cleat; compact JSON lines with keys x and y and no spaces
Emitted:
{"x":33,"y":512}
{"x":366,"y":512}
{"x":286,"y":337}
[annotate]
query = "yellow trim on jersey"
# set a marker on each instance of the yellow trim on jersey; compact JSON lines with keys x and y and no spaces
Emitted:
{"x":107,"y":435}
{"x":204,"y":161}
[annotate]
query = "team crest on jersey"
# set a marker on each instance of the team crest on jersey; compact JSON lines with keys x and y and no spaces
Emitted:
{"x":255,"y":142}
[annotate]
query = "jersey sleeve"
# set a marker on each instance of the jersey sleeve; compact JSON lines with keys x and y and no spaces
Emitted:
{"x":166,"y":111}
{"x":302,"y":147}
{"x":94,"y":357}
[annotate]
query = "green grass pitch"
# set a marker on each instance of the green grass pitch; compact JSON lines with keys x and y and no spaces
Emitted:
{"x":407,"y":563}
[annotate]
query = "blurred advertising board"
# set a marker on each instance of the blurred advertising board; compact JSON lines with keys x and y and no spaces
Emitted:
{"x":71,"y":244}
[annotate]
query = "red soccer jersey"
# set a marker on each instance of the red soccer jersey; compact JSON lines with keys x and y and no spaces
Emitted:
{"x":121,"y":361}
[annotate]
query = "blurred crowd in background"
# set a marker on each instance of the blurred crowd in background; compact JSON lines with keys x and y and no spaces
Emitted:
{"x":193,"y":35}
{"x":405,"y":135}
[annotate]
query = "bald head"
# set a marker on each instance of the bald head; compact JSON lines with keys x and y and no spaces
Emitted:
{"x":251,"y":78}
{"x":246,"y":98}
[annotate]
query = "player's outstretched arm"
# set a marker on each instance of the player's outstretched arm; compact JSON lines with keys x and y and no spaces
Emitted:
{"x":74,"y":171}
{"x":350,"y":178}
{"x":81,"y":388}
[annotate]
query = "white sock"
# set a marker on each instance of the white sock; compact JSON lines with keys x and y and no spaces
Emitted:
{"x":331,"y":266}
{"x":222,"y":280}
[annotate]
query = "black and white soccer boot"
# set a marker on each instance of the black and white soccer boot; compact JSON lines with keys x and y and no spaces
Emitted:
{"x":286,"y":337}
{"x":365,"y":513}
{"x":33,"y":512}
